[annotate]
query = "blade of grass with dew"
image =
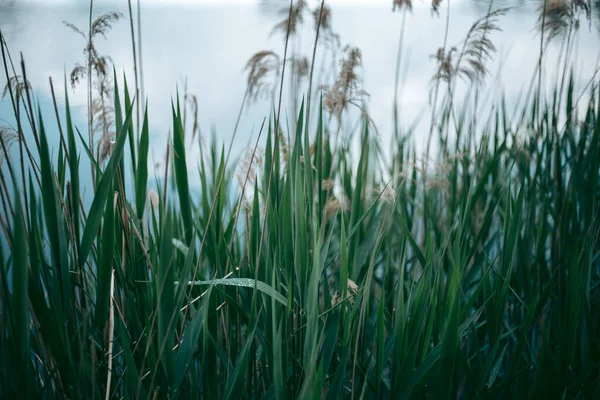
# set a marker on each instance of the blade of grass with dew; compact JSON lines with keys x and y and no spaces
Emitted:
{"x":246,"y":283}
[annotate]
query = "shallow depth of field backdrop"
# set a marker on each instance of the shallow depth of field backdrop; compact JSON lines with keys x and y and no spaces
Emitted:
{"x":273,"y":199}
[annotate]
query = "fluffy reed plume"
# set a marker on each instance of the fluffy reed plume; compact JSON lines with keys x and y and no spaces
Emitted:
{"x":17,"y":86}
{"x":324,"y":17}
{"x":301,"y":66}
{"x":438,"y":183}
{"x":476,"y":50}
{"x":345,"y":89}
{"x":326,"y":33}
{"x":193,"y":102}
{"x":8,"y":136}
{"x":96,"y":62}
{"x":327,"y":184}
{"x":331,"y":208}
{"x":100,"y":112}
{"x":101,"y":107}
{"x":400,"y":4}
{"x":333,"y":205}
{"x":249,"y":167}
{"x":283,"y":148}
{"x":557,"y":16}
{"x":106,"y":145}
{"x":260,"y":67}
{"x":435,"y":6}
{"x":153,"y":199}
{"x":446,"y":68}
{"x":388,"y":195}
{"x":291,"y":20}
{"x":352,"y":292}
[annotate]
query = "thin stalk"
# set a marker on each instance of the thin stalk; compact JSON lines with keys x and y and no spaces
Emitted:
{"x":21,"y":138}
{"x":3,"y":181}
{"x":397,"y":75}
{"x":62,"y":137}
{"x":111,"y":331}
{"x":437,"y":86}
{"x":89,"y":96}
{"x":237,"y":213}
{"x":139,"y":24}
{"x":29,"y":103}
{"x":135,"y":71}
{"x":185,"y":102}
{"x":164,"y":199}
{"x":312,"y":66}
{"x":540,"y":70}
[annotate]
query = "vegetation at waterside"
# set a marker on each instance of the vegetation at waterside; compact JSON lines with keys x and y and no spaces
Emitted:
{"x":305,"y":269}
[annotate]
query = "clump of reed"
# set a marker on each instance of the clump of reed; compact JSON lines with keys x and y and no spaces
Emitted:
{"x":323,"y":273}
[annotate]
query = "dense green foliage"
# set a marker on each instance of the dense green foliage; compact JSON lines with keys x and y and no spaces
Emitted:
{"x":474,"y":275}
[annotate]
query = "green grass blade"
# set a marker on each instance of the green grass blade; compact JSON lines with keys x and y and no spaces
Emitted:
{"x":105,"y":264}
{"x":73,"y":171}
{"x":20,"y":281}
{"x":102,"y":192}
{"x":141,"y":173}
{"x":167,"y":309}
{"x":246,"y":283}
{"x":181,"y":175}
{"x":188,"y":344}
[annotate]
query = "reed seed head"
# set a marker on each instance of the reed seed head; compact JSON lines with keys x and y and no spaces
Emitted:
{"x":346,"y":86}
{"x":260,"y":67}
{"x":323,"y":17}
{"x":402,"y":4}
{"x":292,"y":18}
{"x":8,"y":136}
{"x":17,"y":86}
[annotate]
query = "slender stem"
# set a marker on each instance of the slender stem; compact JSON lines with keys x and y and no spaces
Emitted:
{"x":397,"y":75}
{"x":437,"y":86}
{"x":312,"y":65}
{"x":62,"y":137}
{"x":29,"y":104}
{"x":476,"y":100}
{"x":19,"y":132}
{"x":237,"y":212}
{"x":541,"y":58}
{"x":89,"y":95}
{"x":3,"y":181}
{"x":141,"y":64}
{"x":111,"y":330}
{"x":164,"y":202}
{"x":135,"y":71}
{"x":185,"y":102}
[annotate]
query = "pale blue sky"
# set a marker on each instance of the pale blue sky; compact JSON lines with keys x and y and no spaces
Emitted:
{"x":210,"y":46}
